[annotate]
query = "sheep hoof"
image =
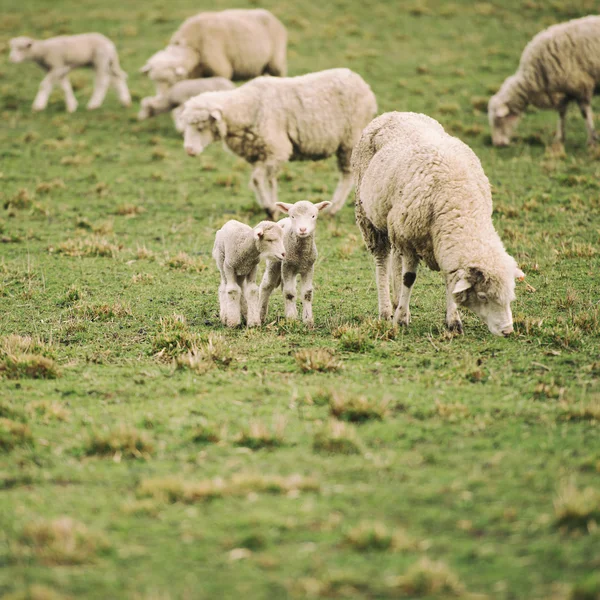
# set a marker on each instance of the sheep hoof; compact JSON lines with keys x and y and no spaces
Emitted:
{"x":455,"y":326}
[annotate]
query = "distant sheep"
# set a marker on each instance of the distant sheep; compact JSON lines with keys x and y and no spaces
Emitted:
{"x":423,"y":194}
{"x":238,"y":251}
{"x":176,"y":96}
{"x":559,"y":65}
{"x":235,"y":44}
{"x":300,"y":257}
{"x":269,"y":121}
{"x":59,"y":55}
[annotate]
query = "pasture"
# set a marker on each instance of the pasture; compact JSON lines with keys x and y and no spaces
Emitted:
{"x":147,"y":452}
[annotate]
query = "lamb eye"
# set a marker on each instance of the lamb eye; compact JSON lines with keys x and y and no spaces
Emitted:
{"x":313,"y":216}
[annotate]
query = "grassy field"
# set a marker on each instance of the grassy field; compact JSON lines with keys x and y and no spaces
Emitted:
{"x":146,"y":452}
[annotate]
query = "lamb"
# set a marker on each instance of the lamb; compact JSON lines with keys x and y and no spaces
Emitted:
{"x":238,"y":251}
{"x":422,"y":194}
{"x":58,"y":55}
{"x":176,"y":96}
{"x":559,"y":65}
{"x":235,"y":44}
{"x":269,"y":121}
{"x":300,"y":257}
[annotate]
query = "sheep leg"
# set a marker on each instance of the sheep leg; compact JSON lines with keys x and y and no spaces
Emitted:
{"x":120,"y":85}
{"x":70,"y":99}
{"x":306,"y":291}
{"x":341,"y":192}
{"x":46,"y":86}
{"x":559,"y":138}
{"x":241,"y":280}
{"x":233,"y":292}
{"x":382,"y":262}
{"x":176,"y":115}
{"x":100,"y":87}
{"x":588,"y":115}
{"x":288,"y":277}
{"x":453,"y":321}
{"x":263,"y":182}
{"x":222,"y":299}
{"x":410,"y":263}
{"x":271,"y":279}
{"x":251,"y":293}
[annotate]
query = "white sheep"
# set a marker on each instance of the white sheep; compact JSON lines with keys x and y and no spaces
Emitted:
{"x":175,"y":97}
{"x":269,"y":121}
{"x":559,"y":65}
{"x":423,"y":194}
{"x":238,"y":251}
{"x":235,"y":44}
{"x":58,"y":55}
{"x":300,"y":257}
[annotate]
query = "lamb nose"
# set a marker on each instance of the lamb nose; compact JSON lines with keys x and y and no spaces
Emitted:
{"x":283,"y":254}
{"x":507,"y":331}
{"x":302,"y":229}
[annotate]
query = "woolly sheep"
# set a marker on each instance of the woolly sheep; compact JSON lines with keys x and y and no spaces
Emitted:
{"x":269,"y":121}
{"x":58,"y":55}
{"x":423,"y":194}
{"x":300,"y":257}
{"x":176,"y":96}
{"x":559,"y":65}
{"x":238,"y":251}
{"x":235,"y":44}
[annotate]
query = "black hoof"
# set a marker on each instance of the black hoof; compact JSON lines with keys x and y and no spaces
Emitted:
{"x":455,"y":326}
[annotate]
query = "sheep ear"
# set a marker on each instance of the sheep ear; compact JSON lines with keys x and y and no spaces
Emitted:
{"x":179,"y":71}
{"x":145,"y":68}
{"x":284,"y":206}
{"x":321,"y":205}
{"x":258,"y":233}
{"x":461,"y":285}
{"x":502,"y":111}
{"x":519,"y":275}
{"x":216,"y":115}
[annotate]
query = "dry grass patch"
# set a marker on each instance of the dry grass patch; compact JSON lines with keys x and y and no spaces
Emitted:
{"x":207,"y":433}
{"x":62,"y":541}
{"x":368,"y":536}
{"x":13,"y":433}
{"x":451,"y":411}
{"x":577,"y":250}
{"x":258,"y":435}
{"x":185,"y":262}
{"x":102,"y":312}
{"x":576,"y":508}
{"x":37,"y":592}
{"x":48,"y":410}
{"x":357,"y":409}
{"x":129,"y":210}
{"x":143,"y":253}
{"x":201,"y":358}
{"x":87,"y":246}
{"x":121,"y":441}
{"x":174,"y":339}
{"x":76,"y":161}
{"x":24,"y":357}
{"x":428,"y":578}
{"x":45,"y":187}
{"x":142,"y":278}
{"x":582,"y":411}
{"x":174,"y":489}
{"x":354,"y":339}
{"x":22,"y":199}
{"x":321,"y":360}
{"x":337,"y":437}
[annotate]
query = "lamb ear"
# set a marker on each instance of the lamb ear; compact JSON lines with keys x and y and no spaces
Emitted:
{"x":284,"y":206}
{"x":321,"y":205}
{"x":258,"y":233}
{"x":519,"y":275}
{"x":216,"y":115}
{"x":461,"y":285}
{"x":502,"y":111}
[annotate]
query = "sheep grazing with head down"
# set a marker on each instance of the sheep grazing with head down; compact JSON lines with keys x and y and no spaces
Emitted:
{"x":176,"y":96}
{"x":269,"y":121}
{"x":559,"y":65}
{"x":423,"y":194}
{"x":238,"y":251}
{"x":59,"y":55}
{"x":236,"y":44}
{"x":300,"y":257}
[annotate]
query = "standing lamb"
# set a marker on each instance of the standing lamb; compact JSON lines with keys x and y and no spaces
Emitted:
{"x":58,"y":55}
{"x":423,"y":194}
{"x":269,"y":121}
{"x":235,"y":44}
{"x":300,"y":257}
{"x":176,"y":96}
{"x":559,"y":65}
{"x":238,"y":251}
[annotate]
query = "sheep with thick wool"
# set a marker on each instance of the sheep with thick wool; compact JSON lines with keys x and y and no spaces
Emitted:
{"x":59,"y":55}
{"x":269,"y":121}
{"x":300,"y":257}
{"x":421,"y":194}
{"x":176,"y":96}
{"x":559,"y":65}
{"x":238,"y":251}
{"x":236,"y":44}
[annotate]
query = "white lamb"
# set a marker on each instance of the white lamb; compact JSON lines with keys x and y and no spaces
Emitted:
{"x":58,"y":55}
{"x":235,"y":44}
{"x":269,"y":121}
{"x":176,"y":96}
{"x":238,"y":251}
{"x":559,"y":65}
{"x":423,"y":194}
{"x":300,"y":257}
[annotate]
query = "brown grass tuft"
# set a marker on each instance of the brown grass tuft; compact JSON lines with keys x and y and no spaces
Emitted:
{"x":317,"y":359}
{"x":174,"y":339}
{"x":337,"y":437}
{"x":428,"y":578}
{"x":144,"y":253}
{"x":102,"y":312}
{"x":185,"y":262}
{"x":258,"y":435}
{"x":48,"y":410}
{"x":451,"y":411}
{"x":576,"y":508}
{"x":588,"y":410}
{"x":26,"y":357}
{"x":87,"y":246}
{"x":13,"y":433}
{"x":368,"y":536}
{"x":129,"y":210}
{"x":121,"y":441}
{"x":356,"y":408}
{"x":45,"y":187}
{"x":142,"y":278}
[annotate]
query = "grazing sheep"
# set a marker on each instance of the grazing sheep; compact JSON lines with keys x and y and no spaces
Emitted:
{"x":559,"y":65}
{"x":423,"y":194}
{"x":269,"y":121}
{"x":176,"y":96}
{"x":238,"y":251}
{"x":58,"y":55}
{"x":235,"y":44}
{"x":300,"y":257}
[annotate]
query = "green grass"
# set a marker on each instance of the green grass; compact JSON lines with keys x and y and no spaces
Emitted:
{"x":147,"y":452}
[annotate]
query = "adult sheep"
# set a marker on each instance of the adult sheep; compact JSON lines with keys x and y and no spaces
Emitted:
{"x":235,"y":44}
{"x":269,"y":121}
{"x":423,"y":194}
{"x":559,"y":65}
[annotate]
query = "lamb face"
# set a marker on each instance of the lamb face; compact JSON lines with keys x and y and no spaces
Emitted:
{"x":20,"y":49}
{"x":489,"y":300}
{"x":303,"y":216}
{"x":502,"y":121}
{"x":201,"y":129}
{"x":269,"y":241}
{"x":165,"y":67}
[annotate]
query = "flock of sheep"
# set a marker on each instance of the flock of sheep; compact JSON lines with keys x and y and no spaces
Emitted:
{"x":421,"y":194}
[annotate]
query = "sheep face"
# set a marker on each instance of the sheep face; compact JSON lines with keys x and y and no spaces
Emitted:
{"x":489,"y":299}
{"x":268,"y":238}
{"x":20,"y":49}
{"x":303,"y":216}
{"x":502,"y":121}
{"x":165,"y":68}
{"x":202,"y":127}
